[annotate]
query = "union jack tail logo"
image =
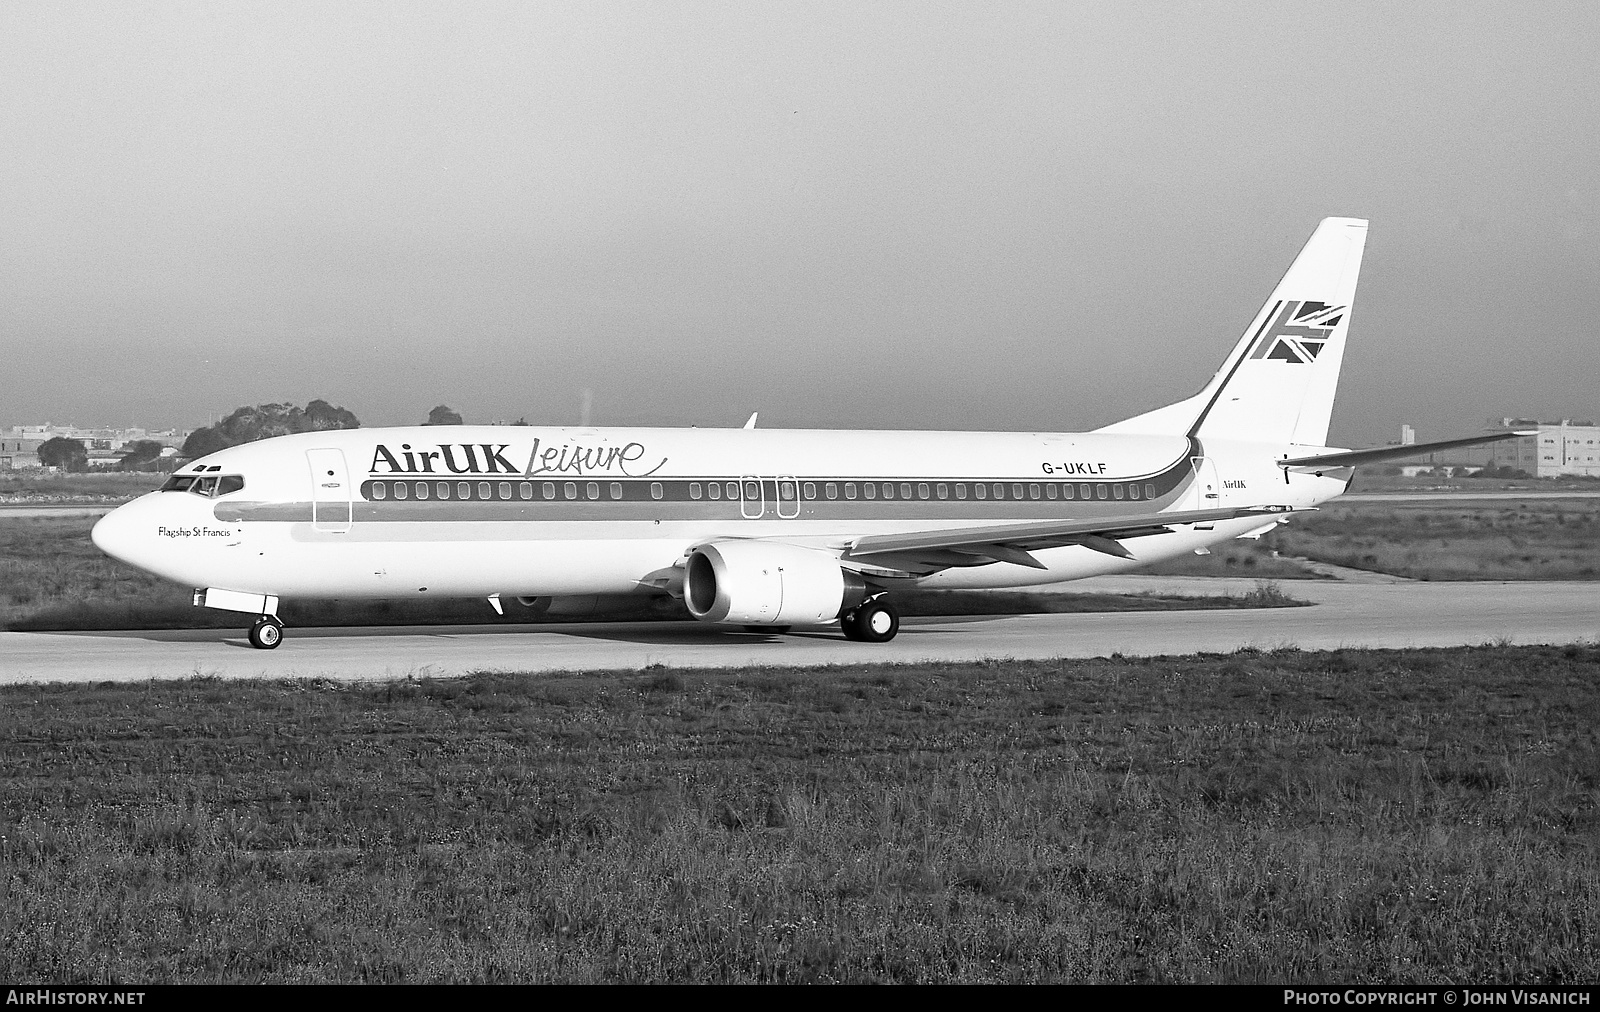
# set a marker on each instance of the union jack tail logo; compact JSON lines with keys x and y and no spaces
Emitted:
{"x":1298,"y":331}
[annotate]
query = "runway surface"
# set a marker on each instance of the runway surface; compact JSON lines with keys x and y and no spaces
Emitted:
{"x":1345,"y":615}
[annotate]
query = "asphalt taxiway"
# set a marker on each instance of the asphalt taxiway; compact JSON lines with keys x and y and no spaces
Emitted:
{"x":1404,"y":614}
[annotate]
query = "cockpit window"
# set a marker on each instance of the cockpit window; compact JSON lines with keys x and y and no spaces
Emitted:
{"x":208,"y":485}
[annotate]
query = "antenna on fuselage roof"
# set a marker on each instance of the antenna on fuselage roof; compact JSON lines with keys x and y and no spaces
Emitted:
{"x":750,"y":422}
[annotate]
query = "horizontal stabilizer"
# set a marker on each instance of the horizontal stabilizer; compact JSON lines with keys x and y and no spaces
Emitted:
{"x":1350,"y":458}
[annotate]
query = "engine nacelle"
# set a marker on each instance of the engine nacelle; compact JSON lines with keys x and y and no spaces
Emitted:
{"x":761,"y":583}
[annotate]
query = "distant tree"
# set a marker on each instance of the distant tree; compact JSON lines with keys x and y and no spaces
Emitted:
{"x":320,"y":415}
{"x":141,"y":455}
{"x":202,"y":441}
{"x":67,"y":454}
{"x":248,"y":424}
{"x":442,"y":415}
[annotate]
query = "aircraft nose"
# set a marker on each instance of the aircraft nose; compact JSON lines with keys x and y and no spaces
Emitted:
{"x":113,"y":534}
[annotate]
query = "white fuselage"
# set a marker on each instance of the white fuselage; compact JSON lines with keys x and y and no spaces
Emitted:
{"x":527,"y":511}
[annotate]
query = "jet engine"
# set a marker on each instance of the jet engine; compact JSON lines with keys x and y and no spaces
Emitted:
{"x":762,"y":583}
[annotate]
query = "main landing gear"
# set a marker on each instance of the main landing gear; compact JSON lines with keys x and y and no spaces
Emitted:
{"x":266,"y":633}
{"x":874,"y":621}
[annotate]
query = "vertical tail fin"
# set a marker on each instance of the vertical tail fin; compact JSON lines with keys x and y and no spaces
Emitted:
{"x":1277,"y":384}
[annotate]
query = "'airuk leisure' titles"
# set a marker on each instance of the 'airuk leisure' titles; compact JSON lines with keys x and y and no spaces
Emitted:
{"x":489,"y":458}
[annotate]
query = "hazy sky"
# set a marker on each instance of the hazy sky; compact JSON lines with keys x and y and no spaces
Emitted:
{"x":906,"y":215}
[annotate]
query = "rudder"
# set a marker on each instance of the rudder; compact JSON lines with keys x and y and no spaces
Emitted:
{"x":1277,"y":384}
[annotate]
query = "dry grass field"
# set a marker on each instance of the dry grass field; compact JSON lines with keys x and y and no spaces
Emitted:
{"x":1501,"y":539}
{"x":1421,"y":816}
{"x":33,"y":487}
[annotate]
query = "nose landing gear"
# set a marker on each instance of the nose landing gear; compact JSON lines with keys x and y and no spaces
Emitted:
{"x":267,"y":633}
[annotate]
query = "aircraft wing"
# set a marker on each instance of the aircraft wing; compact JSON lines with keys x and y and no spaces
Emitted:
{"x":923,"y":552}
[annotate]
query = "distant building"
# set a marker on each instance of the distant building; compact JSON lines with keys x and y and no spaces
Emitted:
{"x":19,"y":445}
{"x":18,"y":453}
{"x":1561,"y":448}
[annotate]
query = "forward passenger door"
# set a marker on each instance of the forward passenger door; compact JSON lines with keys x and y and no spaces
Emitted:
{"x":330,"y":491}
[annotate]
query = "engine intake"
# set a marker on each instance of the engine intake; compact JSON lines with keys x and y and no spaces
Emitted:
{"x":762,"y":583}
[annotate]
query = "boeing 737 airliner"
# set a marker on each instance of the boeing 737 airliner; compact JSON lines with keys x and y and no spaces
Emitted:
{"x":769,"y":528}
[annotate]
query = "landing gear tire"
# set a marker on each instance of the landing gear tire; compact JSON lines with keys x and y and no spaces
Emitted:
{"x":873,"y":622}
{"x":266,"y":634}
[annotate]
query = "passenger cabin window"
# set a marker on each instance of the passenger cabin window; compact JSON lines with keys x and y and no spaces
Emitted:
{"x":831,"y":490}
{"x":715,"y":488}
{"x":810,"y":489}
{"x":961,"y":490}
{"x":694,"y":490}
{"x":849,"y":490}
{"x":655,"y":490}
